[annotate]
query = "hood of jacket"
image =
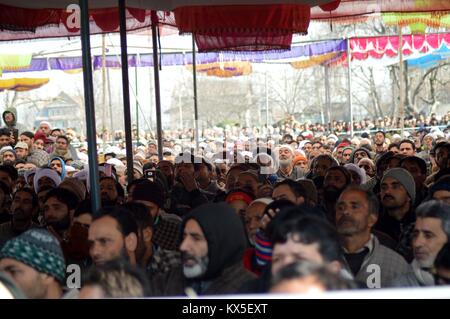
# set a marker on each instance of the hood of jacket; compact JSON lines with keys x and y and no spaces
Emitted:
{"x":224,"y":232}
{"x":12,"y":111}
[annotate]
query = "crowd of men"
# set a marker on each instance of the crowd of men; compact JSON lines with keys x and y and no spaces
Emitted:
{"x":293,"y":214}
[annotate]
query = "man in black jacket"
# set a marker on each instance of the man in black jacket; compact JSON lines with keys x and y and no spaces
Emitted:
{"x":212,"y":249}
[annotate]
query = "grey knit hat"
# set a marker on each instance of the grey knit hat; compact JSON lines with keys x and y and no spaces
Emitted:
{"x":40,"y":250}
{"x":404,"y":178}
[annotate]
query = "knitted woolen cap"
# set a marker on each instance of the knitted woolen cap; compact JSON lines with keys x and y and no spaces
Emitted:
{"x":404,"y":178}
{"x":40,"y":250}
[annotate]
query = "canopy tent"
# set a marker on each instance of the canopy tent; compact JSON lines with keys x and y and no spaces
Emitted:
{"x":22,"y":19}
{"x":22,"y":84}
{"x":216,"y":25}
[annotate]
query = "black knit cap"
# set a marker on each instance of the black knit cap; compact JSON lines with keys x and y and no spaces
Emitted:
{"x":149,"y":191}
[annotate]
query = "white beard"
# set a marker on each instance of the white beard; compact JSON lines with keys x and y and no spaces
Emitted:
{"x":197,"y":270}
{"x":285,"y":163}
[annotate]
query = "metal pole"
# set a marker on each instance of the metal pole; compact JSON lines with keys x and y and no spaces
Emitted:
{"x":327,"y":96}
{"x":267,"y":101}
{"x":402,"y":83}
{"x":350,"y":100}
{"x":157,"y":87}
{"x":103,"y":87}
{"x":126,"y":90}
{"x":111,"y":117}
{"x":194,"y":70}
{"x":89,"y":106}
{"x":137,"y":101}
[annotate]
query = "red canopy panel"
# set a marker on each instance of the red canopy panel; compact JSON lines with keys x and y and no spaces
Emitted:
{"x":243,"y":28}
{"x":158,"y":5}
{"x":352,"y":8}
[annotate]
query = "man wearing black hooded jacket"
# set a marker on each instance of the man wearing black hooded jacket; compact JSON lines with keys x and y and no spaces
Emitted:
{"x":212,"y":249}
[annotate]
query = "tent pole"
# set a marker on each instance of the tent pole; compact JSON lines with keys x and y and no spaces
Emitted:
{"x":350,"y":101}
{"x":402,"y":82}
{"x":126,"y":90}
{"x":194,"y":71}
{"x":137,"y":101}
{"x":157,"y":86}
{"x":89,"y":106}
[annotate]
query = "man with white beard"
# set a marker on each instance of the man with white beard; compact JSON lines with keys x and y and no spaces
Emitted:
{"x":212,"y":251}
{"x":286,"y":164}
{"x":431,"y":233}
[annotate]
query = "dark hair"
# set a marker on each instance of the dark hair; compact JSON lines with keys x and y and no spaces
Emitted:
{"x":5,"y":131}
{"x":343,"y":170}
{"x":199,"y":161}
{"x":55,"y":130}
{"x":436,"y":209}
{"x":443,"y":257}
{"x":135,"y":182}
{"x":295,"y":187}
{"x":310,"y":230}
{"x":323,"y":276}
{"x":442,"y":144}
{"x":28,"y":134}
{"x":64,"y":196}
{"x":392,"y":145}
{"x":318,"y":142}
{"x":382,"y":132}
{"x":398,"y":157}
{"x":63,"y":137}
{"x":20,"y":161}
{"x":407,"y":141}
{"x":140,"y":214}
{"x":10,"y":170}
{"x":118,"y":279}
{"x":372,"y":199}
{"x":365,"y":150}
{"x":125,"y":222}
{"x":84,"y":207}
{"x":420,"y":162}
{"x":328,"y":157}
{"x":119,"y":188}
{"x":34,"y":198}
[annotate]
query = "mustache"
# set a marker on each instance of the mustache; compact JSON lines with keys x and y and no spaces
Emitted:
{"x":345,"y":219}
{"x":388,"y":196}
{"x":187,"y":256}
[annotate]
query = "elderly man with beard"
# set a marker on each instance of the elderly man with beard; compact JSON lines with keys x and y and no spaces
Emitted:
{"x":286,"y":162}
{"x":212,"y":249}
{"x":431,"y":233}
{"x":23,"y":208}
{"x":59,"y":207}
{"x":356,"y":214}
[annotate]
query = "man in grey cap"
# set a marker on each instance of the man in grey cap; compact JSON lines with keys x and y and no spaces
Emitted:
{"x":397,"y":218}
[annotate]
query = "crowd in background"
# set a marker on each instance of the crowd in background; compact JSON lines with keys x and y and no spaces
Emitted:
{"x":277,"y":209}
